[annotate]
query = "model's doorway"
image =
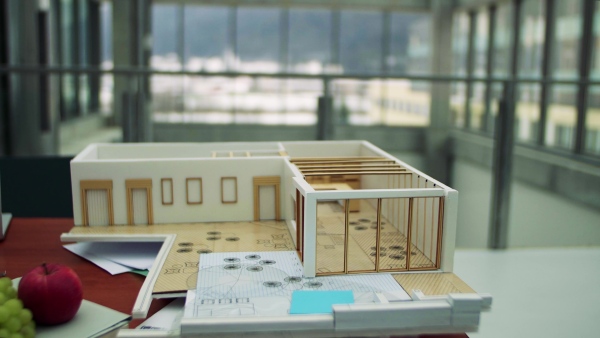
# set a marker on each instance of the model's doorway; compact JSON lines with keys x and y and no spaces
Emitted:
{"x":96,"y":202}
{"x":139,"y":201}
{"x":267,"y":198}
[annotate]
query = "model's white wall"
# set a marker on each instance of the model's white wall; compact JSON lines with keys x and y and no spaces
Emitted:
{"x":90,"y":152}
{"x":210,"y":170}
{"x":537,"y":218}
{"x":288,"y":196}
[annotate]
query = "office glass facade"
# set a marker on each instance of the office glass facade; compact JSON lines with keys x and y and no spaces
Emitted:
{"x":241,"y":63}
{"x":549,"y":50}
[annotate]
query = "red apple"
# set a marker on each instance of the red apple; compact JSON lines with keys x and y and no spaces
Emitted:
{"x":52,"y":292}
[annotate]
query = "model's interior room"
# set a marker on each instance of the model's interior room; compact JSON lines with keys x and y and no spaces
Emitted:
{"x":496,"y":99}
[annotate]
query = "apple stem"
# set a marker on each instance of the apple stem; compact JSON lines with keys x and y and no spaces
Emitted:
{"x":45,"y":268}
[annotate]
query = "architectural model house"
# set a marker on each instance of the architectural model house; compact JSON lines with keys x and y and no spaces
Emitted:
{"x":346,"y":207}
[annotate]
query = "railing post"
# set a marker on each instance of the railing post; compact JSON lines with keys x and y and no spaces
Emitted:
{"x":502,"y":169}
{"x":325,"y":114}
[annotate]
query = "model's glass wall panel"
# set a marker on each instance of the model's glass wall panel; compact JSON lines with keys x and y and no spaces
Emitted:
{"x":361,"y":41}
{"x":331,"y":237}
{"x":527,"y":114}
{"x":258,"y":39}
{"x":425,"y":228}
{"x":403,"y":103}
{"x":502,"y":39}
{"x":205,"y":39}
{"x":309,"y":40}
{"x":166,"y":37}
{"x":561,"y":117}
{"x":531,"y":42}
{"x":410,"y":45}
{"x":567,"y":35}
{"x":592,"y":122}
{"x":394,"y":228}
{"x":425,"y":224}
{"x":362,"y":232}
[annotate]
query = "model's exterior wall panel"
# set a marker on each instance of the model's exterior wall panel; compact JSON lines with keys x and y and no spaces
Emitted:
{"x":210,"y":170}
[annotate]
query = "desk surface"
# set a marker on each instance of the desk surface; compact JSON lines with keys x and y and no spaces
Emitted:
{"x":537,"y":292}
{"x":32,"y":241}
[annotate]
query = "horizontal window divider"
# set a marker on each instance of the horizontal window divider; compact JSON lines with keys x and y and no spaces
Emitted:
{"x":145,"y":71}
{"x":529,"y":150}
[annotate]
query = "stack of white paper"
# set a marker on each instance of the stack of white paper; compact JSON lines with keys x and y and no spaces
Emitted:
{"x":118,"y":257}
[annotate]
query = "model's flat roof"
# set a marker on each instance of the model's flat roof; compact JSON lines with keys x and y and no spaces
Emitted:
{"x":148,"y":151}
{"x":134,"y":151}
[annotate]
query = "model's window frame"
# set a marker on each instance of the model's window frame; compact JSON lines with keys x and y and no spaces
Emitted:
{"x":188,"y":190}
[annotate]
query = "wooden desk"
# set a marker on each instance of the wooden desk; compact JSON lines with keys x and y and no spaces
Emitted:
{"x":33,"y":241}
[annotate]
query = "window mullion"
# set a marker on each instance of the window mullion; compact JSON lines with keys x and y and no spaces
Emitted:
{"x":585,"y":62}
{"x":546,"y":70}
{"x":490,"y":58}
{"x":470,"y":66}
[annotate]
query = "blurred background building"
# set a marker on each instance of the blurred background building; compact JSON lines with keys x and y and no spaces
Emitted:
{"x":498,"y":98}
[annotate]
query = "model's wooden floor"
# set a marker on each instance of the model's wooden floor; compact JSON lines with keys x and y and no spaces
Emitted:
{"x":179,"y":272}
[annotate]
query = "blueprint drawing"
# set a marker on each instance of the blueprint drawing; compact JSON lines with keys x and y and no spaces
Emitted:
{"x":262,"y":283}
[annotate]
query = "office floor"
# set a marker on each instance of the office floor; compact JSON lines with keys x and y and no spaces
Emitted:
{"x":537,"y":292}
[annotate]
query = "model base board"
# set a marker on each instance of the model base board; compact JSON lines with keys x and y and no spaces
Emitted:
{"x":346,"y":207}
{"x":179,"y":272}
{"x":433,"y":283}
